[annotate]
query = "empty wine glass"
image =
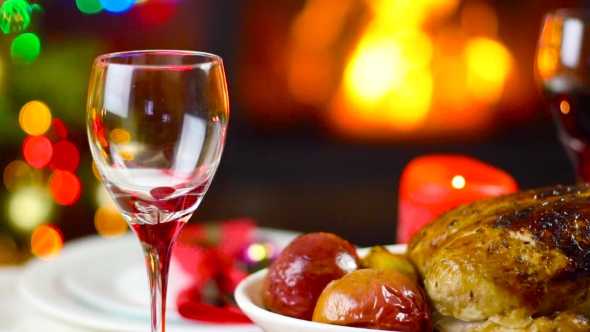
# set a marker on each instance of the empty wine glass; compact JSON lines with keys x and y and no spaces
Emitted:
{"x":563,"y":71}
{"x":156,"y":125}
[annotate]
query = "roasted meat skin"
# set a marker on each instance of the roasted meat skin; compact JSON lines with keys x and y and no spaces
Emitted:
{"x":509,"y":259}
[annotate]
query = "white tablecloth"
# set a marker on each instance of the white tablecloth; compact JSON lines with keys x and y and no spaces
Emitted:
{"x":17,"y":316}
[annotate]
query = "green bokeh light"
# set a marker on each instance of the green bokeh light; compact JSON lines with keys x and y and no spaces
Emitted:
{"x":89,"y":6}
{"x":25,"y":48}
{"x":15,"y":15}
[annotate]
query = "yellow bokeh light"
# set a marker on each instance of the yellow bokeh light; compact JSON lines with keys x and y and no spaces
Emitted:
{"x":410,"y":104}
{"x":109,"y":222}
{"x":564,"y":107}
{"x":256,"y":252}
{"x":392,"y":14}
{"x":46,"y":242}
{"x":378,"y":67}
{"x":397,"y":12}
{"x":102,"y":196}
{"x":120,"y":136}
{"x":488,"y":59}
{"x":35,"y":118}
{"x":451,"y":88}
{"x":29,"y":207}
{"x":17,"y":174}
{"x":417,"y":47}
{"x":488,"y":63}
{"x":458,"y":182}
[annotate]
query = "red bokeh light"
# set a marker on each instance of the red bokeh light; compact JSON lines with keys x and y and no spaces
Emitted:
{"x":65,"y":187}
{"x":37,"y":150}
{"x":59,"y":128}
{"x":66,"y":156}
{"x":157,"y":11}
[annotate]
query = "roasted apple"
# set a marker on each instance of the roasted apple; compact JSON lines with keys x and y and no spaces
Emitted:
{"x":380,"y":299}
{"x":303,"y":269}
{"x":381,"y":258}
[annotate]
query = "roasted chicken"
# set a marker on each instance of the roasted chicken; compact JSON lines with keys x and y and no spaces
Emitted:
{"x":518,"y":262}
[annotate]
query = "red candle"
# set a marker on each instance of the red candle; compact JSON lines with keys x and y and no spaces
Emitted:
{"x":431,"y":185}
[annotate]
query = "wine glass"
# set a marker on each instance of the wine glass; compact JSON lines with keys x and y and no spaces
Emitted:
{"x":156,"y":125}
{"x":563,"y":71}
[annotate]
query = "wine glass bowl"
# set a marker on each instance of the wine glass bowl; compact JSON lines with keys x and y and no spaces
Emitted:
{"x":156,"y":125}
{"x":562,"y":69}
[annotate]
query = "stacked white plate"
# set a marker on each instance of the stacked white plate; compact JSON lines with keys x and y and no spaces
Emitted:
{"x":101,"y":284}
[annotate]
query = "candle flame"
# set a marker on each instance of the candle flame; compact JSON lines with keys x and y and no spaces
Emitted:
{"x":458,"y":182}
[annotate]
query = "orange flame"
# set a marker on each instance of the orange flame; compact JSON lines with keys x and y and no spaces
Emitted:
{"x":402,"y":76}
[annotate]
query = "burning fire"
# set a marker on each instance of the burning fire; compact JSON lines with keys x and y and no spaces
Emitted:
{"x":412,"y":69}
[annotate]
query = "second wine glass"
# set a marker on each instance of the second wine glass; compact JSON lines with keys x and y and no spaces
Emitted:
{"x":563,"y":71}
{"x":156,"y":125}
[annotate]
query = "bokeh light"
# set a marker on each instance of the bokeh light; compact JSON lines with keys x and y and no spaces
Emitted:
{"x":46,"y":241}
{"x":59,"y":128}
{"x":89,"y":6}
{"x":256,"y":252}
{"x":489,"y":64}
{"x":29,"y":207}
{"x":16,"y":175}
{"x":37,"y":150}
{"x":109,"y":222}
{"x":102,"y":196}
{"x":377,"y":68}
{"x":65,"y":187}
{"x":16,"y":15}
{"x":66,"y":156}
{"x":116,"y":6}
{"x":25,"y":48}
{"x":35,"y":118}
{"x":156,"y":11}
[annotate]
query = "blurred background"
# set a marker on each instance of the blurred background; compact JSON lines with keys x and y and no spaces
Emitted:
{"x":330,"y":100}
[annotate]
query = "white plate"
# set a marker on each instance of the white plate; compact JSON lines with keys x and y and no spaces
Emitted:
{"x":102,"y":284}
{"x":123,"y":290}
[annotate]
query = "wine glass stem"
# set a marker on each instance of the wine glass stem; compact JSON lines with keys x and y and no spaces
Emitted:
{"x":157,"y":241}
{"x":158,"y":263}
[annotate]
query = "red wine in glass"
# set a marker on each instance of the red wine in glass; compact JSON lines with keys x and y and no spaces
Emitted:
{"x":570,"y":110}
{"x":563,"y":71}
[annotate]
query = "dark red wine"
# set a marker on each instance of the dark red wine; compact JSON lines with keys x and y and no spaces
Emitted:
{"x":158,"y":241}
{"x":159,"y":235}
{"x":570,"y":111}
{"x":151,"y":196}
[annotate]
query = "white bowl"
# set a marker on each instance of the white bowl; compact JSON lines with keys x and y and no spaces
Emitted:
{"x":248,"y":295}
